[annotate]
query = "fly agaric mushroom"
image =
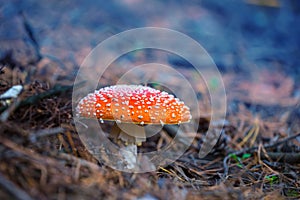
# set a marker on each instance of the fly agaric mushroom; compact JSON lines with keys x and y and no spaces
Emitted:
{"x":131,"y":107}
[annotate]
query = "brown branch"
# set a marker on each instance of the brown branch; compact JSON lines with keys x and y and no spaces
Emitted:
{"x":49,"y":160}
{"x":71,"y":158}
{"x":283,"y":157}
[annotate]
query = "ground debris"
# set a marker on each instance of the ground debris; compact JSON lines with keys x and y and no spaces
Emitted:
{"x":43,"y":157}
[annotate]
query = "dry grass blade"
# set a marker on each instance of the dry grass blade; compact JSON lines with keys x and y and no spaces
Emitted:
{"x":14,"y":190}
{"x":251,"y":150}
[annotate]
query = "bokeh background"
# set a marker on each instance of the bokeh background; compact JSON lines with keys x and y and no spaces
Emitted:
{"x":243,"y":37}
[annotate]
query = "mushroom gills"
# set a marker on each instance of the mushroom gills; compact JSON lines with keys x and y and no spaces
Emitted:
{"x":128,"y":133}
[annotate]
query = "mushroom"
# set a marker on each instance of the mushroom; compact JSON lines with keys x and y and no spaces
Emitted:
{"x":131,"y":107}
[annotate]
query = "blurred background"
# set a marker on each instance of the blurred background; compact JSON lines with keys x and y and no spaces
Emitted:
{"x":255,"y":39}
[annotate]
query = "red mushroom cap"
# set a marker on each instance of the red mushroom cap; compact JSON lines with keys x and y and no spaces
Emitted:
{"x":134,"y":104}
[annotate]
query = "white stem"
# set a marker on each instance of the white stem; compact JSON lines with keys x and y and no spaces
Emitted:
{"x":132,"y":135}
{"x":129,"y":154}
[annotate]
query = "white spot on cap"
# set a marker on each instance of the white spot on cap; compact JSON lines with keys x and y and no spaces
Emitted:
{"x":161,"y":122}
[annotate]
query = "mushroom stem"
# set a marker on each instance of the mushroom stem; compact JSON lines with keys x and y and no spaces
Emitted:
{"x":129,"y":153}
{"x":132,"y":135}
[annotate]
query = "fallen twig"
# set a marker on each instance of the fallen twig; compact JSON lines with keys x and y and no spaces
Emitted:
{"x":8,"y":110}
{"x":45,"y":132}
{"x":43,"y":159}
{"x":82,"y":162}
